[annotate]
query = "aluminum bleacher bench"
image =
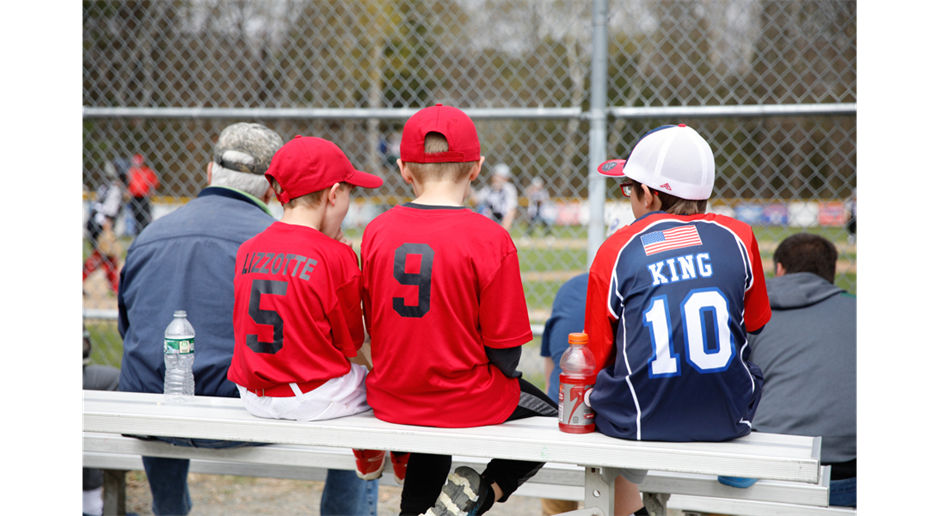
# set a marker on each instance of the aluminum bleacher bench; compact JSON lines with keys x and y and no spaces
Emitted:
{"x":579,"y":467}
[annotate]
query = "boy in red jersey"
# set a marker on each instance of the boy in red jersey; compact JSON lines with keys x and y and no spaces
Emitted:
{"x":444,"y":304}
{"x":298,"y":311}
{"x":670,"y":300}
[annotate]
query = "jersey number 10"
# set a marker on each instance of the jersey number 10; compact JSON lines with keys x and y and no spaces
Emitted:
{"x":696,"y":310}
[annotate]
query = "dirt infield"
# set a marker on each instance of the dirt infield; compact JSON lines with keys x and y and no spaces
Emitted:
{"x":225,"y":495}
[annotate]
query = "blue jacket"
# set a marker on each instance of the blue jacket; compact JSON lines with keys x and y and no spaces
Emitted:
{"x":186,"y":261}
{"x":567,"y":317}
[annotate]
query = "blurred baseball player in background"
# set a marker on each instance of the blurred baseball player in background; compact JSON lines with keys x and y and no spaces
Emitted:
{"x":499,"y":199}
{"x":105,"y":210}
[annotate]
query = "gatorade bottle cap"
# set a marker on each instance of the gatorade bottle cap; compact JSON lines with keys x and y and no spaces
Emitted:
{"x":577,"y":339}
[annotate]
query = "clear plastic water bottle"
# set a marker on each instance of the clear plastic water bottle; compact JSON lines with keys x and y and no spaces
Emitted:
{"x":178,"y":355}
{"x":575,"y":382}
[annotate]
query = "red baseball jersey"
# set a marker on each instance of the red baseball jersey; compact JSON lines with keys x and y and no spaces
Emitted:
{"x":142,"y":181}
{"x":298,"y":314}
{"x":440,"y":284}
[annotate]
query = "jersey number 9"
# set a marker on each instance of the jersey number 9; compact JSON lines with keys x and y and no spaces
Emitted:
{"x":421,"y":279}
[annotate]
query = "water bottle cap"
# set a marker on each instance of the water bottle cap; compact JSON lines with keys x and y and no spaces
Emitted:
{"x":577,"y":339}
{"x":179,"y":313}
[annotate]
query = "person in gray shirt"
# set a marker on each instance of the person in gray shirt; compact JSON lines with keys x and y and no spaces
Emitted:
{"x":807,"y":353}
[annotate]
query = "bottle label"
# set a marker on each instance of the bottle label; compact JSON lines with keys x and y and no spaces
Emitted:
{"x":178,"y":346}
{"x":573,"y":411}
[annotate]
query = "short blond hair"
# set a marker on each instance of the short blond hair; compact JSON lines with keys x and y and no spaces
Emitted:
{"x":435,"y":143}
{"x":310,"y":200}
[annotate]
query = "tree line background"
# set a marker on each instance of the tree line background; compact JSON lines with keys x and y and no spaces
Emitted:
{"x":480,"y":54}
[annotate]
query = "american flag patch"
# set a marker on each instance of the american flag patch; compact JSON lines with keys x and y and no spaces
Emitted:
{"x":675,"y":238}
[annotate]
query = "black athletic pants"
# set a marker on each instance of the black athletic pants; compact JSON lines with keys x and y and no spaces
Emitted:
{"x":427,"y":474}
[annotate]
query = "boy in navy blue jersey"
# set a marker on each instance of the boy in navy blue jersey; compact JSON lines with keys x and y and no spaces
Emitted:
{"x":670,"y":300}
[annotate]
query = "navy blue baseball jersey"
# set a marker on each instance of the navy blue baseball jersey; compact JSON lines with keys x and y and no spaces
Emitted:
{"x":669,"y":298}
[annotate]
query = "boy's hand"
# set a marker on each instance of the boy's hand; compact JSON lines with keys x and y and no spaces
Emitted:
{"x":341,"y":238}
{"x":364,"y":356}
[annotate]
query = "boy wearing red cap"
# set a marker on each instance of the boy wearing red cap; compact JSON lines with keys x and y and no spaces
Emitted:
{"x":298,"y":310}
{"x":444,"y":304}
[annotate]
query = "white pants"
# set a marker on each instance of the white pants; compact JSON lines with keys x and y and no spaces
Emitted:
{"x":338,"y":397}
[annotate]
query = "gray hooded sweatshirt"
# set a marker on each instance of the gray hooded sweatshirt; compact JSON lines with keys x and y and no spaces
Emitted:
{"x":807,"y":355}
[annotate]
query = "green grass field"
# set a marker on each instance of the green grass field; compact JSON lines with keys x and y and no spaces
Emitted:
{"x":545,"y":265}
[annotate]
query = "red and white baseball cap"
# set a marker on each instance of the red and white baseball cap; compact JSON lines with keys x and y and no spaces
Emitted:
{"x":307,"y":164}
{"x":673,"y":159}
{"x":462,"y":140}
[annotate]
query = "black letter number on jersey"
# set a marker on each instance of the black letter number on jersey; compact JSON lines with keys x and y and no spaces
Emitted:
{"x":269,"y":317}
{"x":422,"y":279}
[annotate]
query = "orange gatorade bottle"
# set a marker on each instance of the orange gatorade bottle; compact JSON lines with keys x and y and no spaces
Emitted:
{"x":577,"y":378}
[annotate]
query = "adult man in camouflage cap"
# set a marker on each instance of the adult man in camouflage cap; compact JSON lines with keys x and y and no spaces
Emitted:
{"x":186,"y":261}
{"x":246,"y":148}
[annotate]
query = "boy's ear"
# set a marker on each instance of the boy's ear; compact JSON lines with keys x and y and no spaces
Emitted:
{"x":477,"y":168}
{"x":650,"y":200}
{"x":268,"y":195}
{"x":331,"y":195}
{"x":405,"y":173}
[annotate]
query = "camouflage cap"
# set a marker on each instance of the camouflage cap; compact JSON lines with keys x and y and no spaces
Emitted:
{"x":247,"y":148}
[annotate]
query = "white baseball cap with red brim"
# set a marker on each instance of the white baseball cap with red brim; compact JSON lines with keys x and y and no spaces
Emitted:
{"x":673,"y":159}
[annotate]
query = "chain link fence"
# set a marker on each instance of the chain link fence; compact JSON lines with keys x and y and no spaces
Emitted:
{"x":770,"y":84}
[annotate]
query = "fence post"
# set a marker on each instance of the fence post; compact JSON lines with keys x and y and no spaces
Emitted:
{"x":598,"y":131}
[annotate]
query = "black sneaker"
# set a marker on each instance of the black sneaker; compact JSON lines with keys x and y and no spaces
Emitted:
{"x":463,"y":495}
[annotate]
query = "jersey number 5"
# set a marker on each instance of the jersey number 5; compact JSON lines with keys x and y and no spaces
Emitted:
{"x":268,"y":317}
{"x":704,"y":312}
{"x":421,"y":279}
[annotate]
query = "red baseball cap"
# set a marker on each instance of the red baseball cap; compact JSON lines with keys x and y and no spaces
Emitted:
{"x":462,"y":140}
{"x":307,"y":164}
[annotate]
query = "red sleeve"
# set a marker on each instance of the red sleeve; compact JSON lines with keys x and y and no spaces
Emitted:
{"x":756,"y":305}
{"x":504,"y":318}
{"x":366,"y":307}
{"x":364,"y":282}
{"x":346,"y":316}
{"x":598,"y":323}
